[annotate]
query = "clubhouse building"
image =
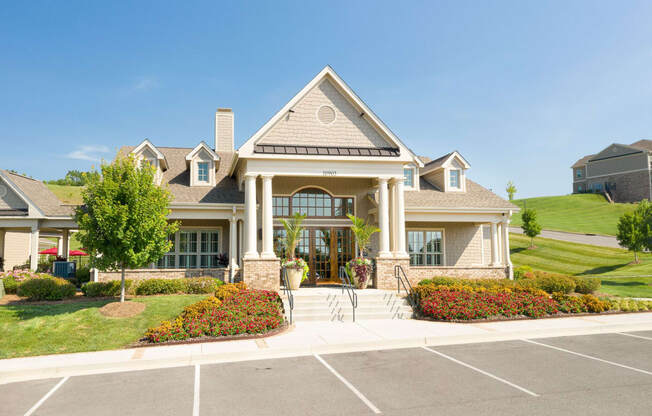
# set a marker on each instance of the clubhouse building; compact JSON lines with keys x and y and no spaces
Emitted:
{"x":324,"y":154}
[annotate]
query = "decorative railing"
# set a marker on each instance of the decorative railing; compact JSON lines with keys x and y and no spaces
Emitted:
{"x":288,"y":291}
{"x":402,"y":280}
{"x":350,"y":290}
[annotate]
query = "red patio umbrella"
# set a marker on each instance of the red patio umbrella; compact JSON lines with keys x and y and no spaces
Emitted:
{"x":77,"y":253}
{"x":51,"y":251}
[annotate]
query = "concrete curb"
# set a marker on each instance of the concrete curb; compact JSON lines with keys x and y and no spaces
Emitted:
{"x":126,"y":360}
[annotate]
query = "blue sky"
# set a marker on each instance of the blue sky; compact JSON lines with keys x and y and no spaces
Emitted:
{"x":521,"y":89}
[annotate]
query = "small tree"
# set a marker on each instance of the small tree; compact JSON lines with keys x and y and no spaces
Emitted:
{"x":362,"y":232}
{"x":293,"y":229}
{"x":511,"y":190}
{"x":634,"y":229}
{"x":123,"y":220}
{"x":530,"y":226}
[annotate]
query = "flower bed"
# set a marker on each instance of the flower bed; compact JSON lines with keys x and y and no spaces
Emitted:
{"x":465,"y":303}
{"x":243,"y":312}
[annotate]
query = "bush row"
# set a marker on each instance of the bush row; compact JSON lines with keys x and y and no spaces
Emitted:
{"x":194,"y":285}
{"x":548,"y":282}
{"x":244,"y":312}
{"x":37,"y":286}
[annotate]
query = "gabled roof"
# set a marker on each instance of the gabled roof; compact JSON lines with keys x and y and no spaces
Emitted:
{"x":582,"y":162}
{"x":249,"y":147}
{"x":147,"y":144}
{"x":177,"y":178}
{"x":200,"y":146}
{"x":643,"y":145}
{"x":444,"y":161}
{"x":615,"y":150}
{"x":37,"y":195}
{"x":475,"y":197}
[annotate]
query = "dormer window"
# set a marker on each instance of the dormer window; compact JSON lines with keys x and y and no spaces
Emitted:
{"x":408,"y":175}
{"x":202,"y":172}
{"x":455,"y":178}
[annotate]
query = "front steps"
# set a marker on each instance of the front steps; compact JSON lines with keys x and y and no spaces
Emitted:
{"x":330,"y":304}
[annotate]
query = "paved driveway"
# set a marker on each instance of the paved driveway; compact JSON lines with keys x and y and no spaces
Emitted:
{"x":592,"y":239}
{"x":606,"y":374}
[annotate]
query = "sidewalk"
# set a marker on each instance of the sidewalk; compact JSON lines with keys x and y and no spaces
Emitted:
{"x":592,"y":239}
{"x":307,"y":338}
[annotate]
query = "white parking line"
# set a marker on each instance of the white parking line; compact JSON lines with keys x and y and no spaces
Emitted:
{"x":588,"y":356}
{"x":635,"y":336}
{"x":349,"y":385}
{"x":502,"y":380}
{"x":195,"y":403}
{"x":44,"y":398}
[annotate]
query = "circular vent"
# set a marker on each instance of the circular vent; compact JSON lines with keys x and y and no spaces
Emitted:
{"x":326,"y":114}
{"x":3,"y":191}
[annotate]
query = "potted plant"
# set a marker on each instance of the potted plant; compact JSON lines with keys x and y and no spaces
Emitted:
{"x":296,"y":268}
{"x":359,"y":268}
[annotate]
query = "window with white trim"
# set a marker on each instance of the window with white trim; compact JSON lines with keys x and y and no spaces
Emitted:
{"x":408,"y":175}
{"x":193,"y":249}
{"x":425,"y":247}
{"x":454,"y":178}
{"x":578,"y":173}
{"x":202,"y":172}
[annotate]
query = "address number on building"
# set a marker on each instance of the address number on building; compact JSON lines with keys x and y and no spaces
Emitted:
{"x":330,"y":173}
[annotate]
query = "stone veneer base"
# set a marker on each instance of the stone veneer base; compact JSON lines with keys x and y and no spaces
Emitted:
{"x":142,"y":274}
{"x":261,"y":273}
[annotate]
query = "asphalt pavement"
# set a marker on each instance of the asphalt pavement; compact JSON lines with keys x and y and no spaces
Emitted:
{"x":591,"y":239}
{"x":604,"y":374}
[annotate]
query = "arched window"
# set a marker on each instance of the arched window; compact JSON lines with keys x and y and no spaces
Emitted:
{"x":312,"y":202}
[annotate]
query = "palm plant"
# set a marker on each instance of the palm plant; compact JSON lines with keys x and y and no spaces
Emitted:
{"x":293,"y":229}
{"x":362,"y":232}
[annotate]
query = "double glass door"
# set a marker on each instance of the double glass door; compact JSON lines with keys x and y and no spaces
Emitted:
{"x":325,"y":249}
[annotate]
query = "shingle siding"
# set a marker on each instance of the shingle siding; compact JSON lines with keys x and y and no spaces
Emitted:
{"x":11,"y":200}
{"x":617,"y":164}
{"x":302,"y":127}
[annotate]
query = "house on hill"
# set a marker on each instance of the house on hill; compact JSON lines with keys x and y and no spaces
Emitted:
{"x":620,"y":171}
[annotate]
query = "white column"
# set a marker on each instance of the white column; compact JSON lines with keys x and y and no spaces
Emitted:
{"x":33,"y":249}
{"x":392,"y":217}
{"x":400,"y":219}
{"x":506,"y":254}
{"x":66,"y":243}
{"x":233,"y":248}
{"x":240,"y":241}
{"x":60,"y":246}
{"x":250,"y":217}
{"x":495,"y":260}
{"x":268,"y":247}
{"x":2,"y":244}
{"x":383,"y":218}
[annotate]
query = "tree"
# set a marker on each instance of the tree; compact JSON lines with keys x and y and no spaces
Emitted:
{"x":530,"y":226}
{"x":123,"y":220}
{"x":511,"y":190}
{"x":634,"y":229}
{"x":362,"y":232}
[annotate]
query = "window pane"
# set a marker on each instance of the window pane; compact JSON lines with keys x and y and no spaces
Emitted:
{"x":202,"y":171}
{"x":455,"y":178}
{"x":408,"y":175}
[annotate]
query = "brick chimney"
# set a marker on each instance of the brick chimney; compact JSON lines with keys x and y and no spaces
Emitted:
{"x":224,"y":130}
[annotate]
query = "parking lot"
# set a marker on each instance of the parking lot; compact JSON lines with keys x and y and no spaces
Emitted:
{"x":606,"y":374}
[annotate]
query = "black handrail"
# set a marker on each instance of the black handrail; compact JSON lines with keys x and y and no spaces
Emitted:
{"x":401,"y":280}
{"x":350,"y":290}
{"x":287,"y":290}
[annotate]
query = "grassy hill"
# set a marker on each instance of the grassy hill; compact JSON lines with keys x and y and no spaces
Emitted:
{"x":67,"y":194}
{"x":583,"y":213}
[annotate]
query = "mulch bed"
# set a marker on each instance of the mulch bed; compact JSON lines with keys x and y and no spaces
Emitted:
{"x":241,"y":337}
{"x":524,"y":318}
{"x":122,"y":309}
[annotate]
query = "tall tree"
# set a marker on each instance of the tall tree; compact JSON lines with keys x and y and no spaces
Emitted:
{"x":634,"y":229}
{"x":530,"y":226}
{"x":123,"y":220}
{"x":511,"y":190}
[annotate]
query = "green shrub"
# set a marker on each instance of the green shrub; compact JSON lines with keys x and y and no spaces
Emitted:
{"x":46,"y":288}
{"x":104,"y":289}
{"x":199,"y":285}
{"x":13,"y":278}
{"x":586,"y":285}
{"x":160,"y":287}
{"x":552,"y":282}
{"x":520,"y":271}
{"x":11,"y":285}
{"x":83,"y":275}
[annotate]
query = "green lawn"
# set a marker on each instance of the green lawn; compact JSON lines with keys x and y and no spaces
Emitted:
{"x":585,"y":260}
{"x":75,"y":327}
{"x":67,"y":194}
{"x":583,"y":213}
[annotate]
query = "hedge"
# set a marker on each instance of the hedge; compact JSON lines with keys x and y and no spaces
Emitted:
{"x":105,"y":289}
{"x":13,"y":278}
{"x":194,"y":285}
{"x":46,"y":288}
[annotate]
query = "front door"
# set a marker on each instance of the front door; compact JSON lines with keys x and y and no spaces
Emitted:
{"x":325,"y":249}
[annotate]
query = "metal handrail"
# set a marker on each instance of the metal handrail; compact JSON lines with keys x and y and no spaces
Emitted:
{"x":401,"y":280}
{"x":288,"y":291}
{"x":350,"y":290}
